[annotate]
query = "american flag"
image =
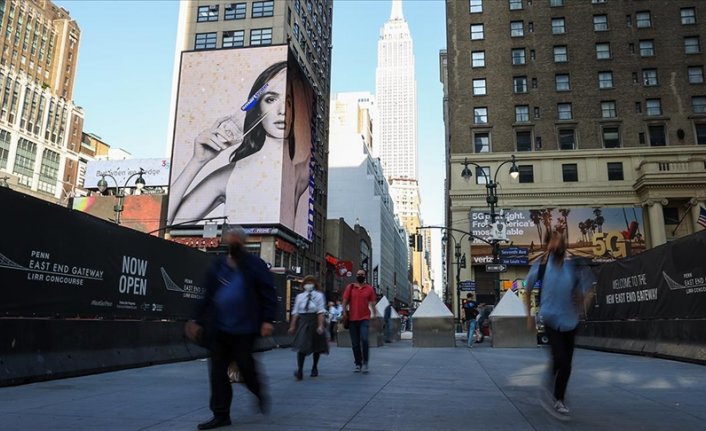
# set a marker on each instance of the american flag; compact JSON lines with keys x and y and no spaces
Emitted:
{"x":702,"y":217}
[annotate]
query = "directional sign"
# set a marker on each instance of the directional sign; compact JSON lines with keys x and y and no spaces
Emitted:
{"x":514,"y":260}
{"x":467,"y":286}
{"x":495,"y":267}
{"x":514,"y":252}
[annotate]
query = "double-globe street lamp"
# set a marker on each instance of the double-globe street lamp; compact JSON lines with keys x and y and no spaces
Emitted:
{"x":120,"y":193}
{"x":491,"y":196}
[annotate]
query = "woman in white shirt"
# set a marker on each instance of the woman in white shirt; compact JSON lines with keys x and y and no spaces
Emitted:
{"x":308,"y":321}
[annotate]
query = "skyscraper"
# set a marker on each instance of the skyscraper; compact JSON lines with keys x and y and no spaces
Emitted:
{"x":603,"y":104}
{"x":396,"y":127}
{"x":303,"y":28}
{"x":40,"y":127}
{"x":396,"y":93}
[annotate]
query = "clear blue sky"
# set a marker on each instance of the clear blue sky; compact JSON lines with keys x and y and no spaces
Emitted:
{"x":126,"y":59}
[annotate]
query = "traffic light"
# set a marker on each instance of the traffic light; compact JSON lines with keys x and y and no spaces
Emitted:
{"x":413,"y":241}
{"x":420,"y":242}
{"x":463,"y":261}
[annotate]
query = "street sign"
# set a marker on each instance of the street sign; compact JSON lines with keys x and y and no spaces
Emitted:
{"x":467,"y":286}
{"x":514,"y":252}
{"x":495,"y":267}
{"x":514,"y":260}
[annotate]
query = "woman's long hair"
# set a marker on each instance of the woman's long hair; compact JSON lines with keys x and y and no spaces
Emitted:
{"x":253,"y":142}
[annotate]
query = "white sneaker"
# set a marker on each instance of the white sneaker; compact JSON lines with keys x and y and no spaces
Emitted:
{"x":561,"y":408}
{"x":365,"y":368}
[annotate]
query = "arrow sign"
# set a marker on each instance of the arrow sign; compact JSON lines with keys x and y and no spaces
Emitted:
{"x":495,"y":267}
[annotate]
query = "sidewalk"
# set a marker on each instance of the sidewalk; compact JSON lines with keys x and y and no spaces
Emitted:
{"x":406,"y":389}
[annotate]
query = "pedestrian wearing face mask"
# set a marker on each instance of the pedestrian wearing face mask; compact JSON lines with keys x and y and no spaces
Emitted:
{"x":308,"y":323}
{"x":358,"y":306}
{"x":238,"y":305}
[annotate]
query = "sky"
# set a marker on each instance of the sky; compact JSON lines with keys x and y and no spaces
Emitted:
{"x":126,"y":59}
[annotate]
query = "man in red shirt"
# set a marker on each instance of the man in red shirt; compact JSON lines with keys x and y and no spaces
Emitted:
{"x":358,"y":301}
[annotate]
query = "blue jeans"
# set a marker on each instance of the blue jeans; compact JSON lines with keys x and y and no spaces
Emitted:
{"x":359,"y":340}
{"x":388,"y":330}
{"x":471,"y":329}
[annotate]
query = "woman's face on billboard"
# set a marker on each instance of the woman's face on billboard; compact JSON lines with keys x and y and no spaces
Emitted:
{"x":276,"y":105}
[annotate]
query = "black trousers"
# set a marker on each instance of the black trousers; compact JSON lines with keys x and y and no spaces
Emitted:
{"x":227,"y":348}
{"x":562,"y":348}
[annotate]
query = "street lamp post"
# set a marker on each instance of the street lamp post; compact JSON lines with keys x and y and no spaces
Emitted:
{"x":491,"y":196}
{"x":120,"y":193}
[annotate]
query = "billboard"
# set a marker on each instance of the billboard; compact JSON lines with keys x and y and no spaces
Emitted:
{"x":79,"y":265}
{"x":156,"y":172}
{"x":243,"y":140}
{"x":600,"y":234}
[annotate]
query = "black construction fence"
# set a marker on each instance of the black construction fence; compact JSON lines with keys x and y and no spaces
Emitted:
{"x":81,"y":294}
{"x":653,"y":303}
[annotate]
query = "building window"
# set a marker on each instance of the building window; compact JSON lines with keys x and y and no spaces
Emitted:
{"x":688,"y":16}
{"x":649,"y":77}
{"x":696,"y":74}
{"x":524,"y":140}
{"x":526,"y":173}
{"x":608,"y":109}
{"x":49,"y":172}
{"x":598,"y":1}
{"x":698,"y":104}
{"x":263,"y":8}
{"x":569,"y":172}
{"x":647,"y":48}
{"x":478,"y":59}
{"x":521,"y":113}
{"x":515,"y":4}
{"x":477,"y":32}
{"x":564,"y":111}
{"x":476,"y":6}
{"x":603,"y":51}
{"x":556,"y":3}
{"x":207,"y":13}
{"x":536,"y":113}
{"x":562,"y":82}
{"x":615,"y":171}
{"x":479,"y":87}
{"x":482,"y":174}
{"x":558,"y":26}
{"x":643,"y":19}
{"x":518,"y":56}
{"x":605,"y":79}
{"x":658,"y":137}
{"x":205,"y":40}
{"x":5,"y":137}
{"x":480,"y":115}
{"x":653,"y":107}
{"x":517,"y":28}
{"x":24,"y":162}
{"x":481,"y":142}
{"x":700,"y":134}
{"x":232,"y":39}
{"x":692,"y":45}
{"x":567,"y":139}
{"x":600,"y":22}
{"x":261,"y":36}
{"x":235,"y":11}
{"x":519,"y":84}
{"x":611,"y":137}
{"x":561,"y":54}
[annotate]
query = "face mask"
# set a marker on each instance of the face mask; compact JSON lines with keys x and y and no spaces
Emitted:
{"x":360,"y":278}
{"x":236,"y":250}
{"x":308,"y":287}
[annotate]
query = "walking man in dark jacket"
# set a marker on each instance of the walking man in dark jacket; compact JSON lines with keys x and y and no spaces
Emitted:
{"x":238,"y":305}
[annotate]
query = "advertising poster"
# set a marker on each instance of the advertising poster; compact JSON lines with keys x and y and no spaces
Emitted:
{"x":243,"y":140}
{"x":666,"y":282}
{"x":156,"y":172}
{"x":55,"y":261}
{"x":599,"y":234}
